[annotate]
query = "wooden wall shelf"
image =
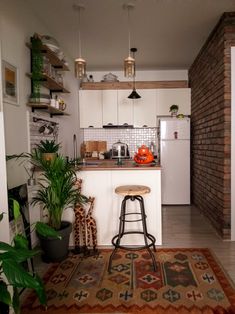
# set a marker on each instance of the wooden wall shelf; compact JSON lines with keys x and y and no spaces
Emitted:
{"x":51,"y":84}
{"x":138,"y":84}
{"x":46,"y":107}
{"x":54,"y":60}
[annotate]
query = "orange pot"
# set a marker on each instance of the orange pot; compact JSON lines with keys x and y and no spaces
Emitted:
{"x":144,"y":155}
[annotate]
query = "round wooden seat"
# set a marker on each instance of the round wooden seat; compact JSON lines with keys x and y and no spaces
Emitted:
{"x":132,"y":190}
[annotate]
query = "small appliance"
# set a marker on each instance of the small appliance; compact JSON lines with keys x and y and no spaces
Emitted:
{"x":120,"y":151}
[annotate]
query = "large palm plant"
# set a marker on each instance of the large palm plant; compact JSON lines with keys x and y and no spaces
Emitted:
{"x":57,"y":189}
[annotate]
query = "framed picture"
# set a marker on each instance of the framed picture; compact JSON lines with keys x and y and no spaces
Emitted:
{"x":10,"y":83}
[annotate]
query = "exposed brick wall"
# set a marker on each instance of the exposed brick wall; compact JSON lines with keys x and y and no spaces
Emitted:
{"x":209,"y":79}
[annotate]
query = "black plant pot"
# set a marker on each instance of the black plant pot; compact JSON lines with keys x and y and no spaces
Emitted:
{"x":4,"y":308}
{"x":56,"y":250}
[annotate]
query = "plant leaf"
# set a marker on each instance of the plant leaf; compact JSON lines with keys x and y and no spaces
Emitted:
{"x":16,"y":301}
{"x":1,"y":216}
{"x":16,"y":209}
{"x":46,"y":231}
{"x":19,"y":277}
{"x":5,"y":296}
{"x":20,"y":241}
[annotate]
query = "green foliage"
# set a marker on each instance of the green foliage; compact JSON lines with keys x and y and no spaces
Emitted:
{"x":12,"y":257}
{"x":37,"y":66}
{"x":57,"y":189}
{"x":48,"y":147}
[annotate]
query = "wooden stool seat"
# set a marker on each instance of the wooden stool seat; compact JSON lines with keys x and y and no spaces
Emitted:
{"x":132,"y":190}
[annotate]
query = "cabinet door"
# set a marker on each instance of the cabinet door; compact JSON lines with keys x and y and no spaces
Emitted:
{"x":110,"y":107}
{"x":125,"y":107}
{"x":145,"y":108}
{"x":177,"y":96}
{"x":90,"y":104}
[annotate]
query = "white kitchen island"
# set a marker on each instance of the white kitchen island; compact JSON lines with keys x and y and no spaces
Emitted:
{"x":100,"y":181}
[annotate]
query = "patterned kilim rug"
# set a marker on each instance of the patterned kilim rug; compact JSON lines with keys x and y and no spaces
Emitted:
{"x":187,"y":281}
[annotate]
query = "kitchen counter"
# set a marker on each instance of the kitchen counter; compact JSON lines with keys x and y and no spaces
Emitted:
{"x":100,"y":181}
{"x":98,"y":165}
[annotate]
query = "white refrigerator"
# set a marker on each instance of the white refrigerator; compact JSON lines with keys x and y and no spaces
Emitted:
{"x":175,"y":160}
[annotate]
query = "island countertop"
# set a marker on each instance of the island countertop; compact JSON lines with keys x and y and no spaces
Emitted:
{"x":112,"y":165}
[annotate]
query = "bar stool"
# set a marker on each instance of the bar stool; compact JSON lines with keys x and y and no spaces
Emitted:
{"x":133,"y":193}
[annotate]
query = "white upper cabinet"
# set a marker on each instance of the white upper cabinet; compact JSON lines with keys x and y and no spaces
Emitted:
{"x":125,"y":107}
{"x":90,"y":104}
{"x":145,"y":108}
{"x":110,"y":107}
{"x":178,"y":96}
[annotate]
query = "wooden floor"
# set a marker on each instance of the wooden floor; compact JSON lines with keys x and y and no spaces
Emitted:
{"x":184,"y":226}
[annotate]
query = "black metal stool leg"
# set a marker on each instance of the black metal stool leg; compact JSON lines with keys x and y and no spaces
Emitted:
{"x":145,"y":232}
{"x":120,"y":232}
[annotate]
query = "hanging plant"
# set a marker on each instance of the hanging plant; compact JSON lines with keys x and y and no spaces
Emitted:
{"x":37,"y":66}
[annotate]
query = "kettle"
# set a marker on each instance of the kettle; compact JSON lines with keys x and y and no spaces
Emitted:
{"x":119,"y":151}
{"x":144,"y":155}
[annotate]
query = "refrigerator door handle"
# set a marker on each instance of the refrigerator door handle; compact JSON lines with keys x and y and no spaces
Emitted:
{"x":176,"y":135}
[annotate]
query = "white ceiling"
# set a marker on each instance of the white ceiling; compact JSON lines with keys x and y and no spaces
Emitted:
{"x":167,"y":33}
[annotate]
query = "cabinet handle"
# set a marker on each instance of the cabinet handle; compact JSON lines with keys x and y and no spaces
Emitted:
{"x":145,"y":126}
{"x":91,"y":126}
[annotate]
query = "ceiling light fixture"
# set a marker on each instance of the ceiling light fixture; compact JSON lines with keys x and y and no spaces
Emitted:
{"x":80,"y":63}
{"x":129,"y":62}
{"x":134,"y":94}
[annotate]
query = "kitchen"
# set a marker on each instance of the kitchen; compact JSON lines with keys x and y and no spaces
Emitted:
{"x":68,"y":125}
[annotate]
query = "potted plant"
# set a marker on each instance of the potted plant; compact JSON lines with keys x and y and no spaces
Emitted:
{"x":48,"y":149}
{"x":57,"y":191}
{"x":13,"y":275}
{"x":174,"y":109}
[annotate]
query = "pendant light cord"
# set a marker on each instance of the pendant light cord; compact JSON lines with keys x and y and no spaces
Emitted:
{"x":79,"y":33}
{"x":129,"y":29}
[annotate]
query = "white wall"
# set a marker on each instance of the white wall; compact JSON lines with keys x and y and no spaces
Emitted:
{"x":17,"y":24}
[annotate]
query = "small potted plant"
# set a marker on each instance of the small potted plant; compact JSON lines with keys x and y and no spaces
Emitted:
{"x":173,"y":110}
{"x":48,"y":149}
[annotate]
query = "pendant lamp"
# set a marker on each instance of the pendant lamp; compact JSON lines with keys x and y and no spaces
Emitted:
{"x":134,"y":94}
{"x":129,"y":62}
{"x":79,"y":63}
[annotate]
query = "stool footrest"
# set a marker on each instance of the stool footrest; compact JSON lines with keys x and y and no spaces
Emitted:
{"x":123,"y":217}
{"x":126,"y":247}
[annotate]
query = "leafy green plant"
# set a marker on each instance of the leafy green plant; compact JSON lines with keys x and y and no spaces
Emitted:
{"x":12,"y":272}
{"x":37,"y":66}
{"x":48,"y":147}
{"x":57,"y":189}
{"x":174,"y":108}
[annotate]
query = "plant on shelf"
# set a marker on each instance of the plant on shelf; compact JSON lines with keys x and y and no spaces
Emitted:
{"x":57,"y":191}
{"x":37,"y":67}
{"x":174,"y":109}
{"x":48,"y":149}
{"x":13,"y":274}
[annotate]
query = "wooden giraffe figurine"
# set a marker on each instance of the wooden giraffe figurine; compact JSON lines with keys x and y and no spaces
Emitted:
{"x":91,"y":227}
{"x":79,"y":224}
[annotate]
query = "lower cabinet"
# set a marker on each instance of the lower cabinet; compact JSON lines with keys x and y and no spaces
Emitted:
{"x":101,"y":185}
